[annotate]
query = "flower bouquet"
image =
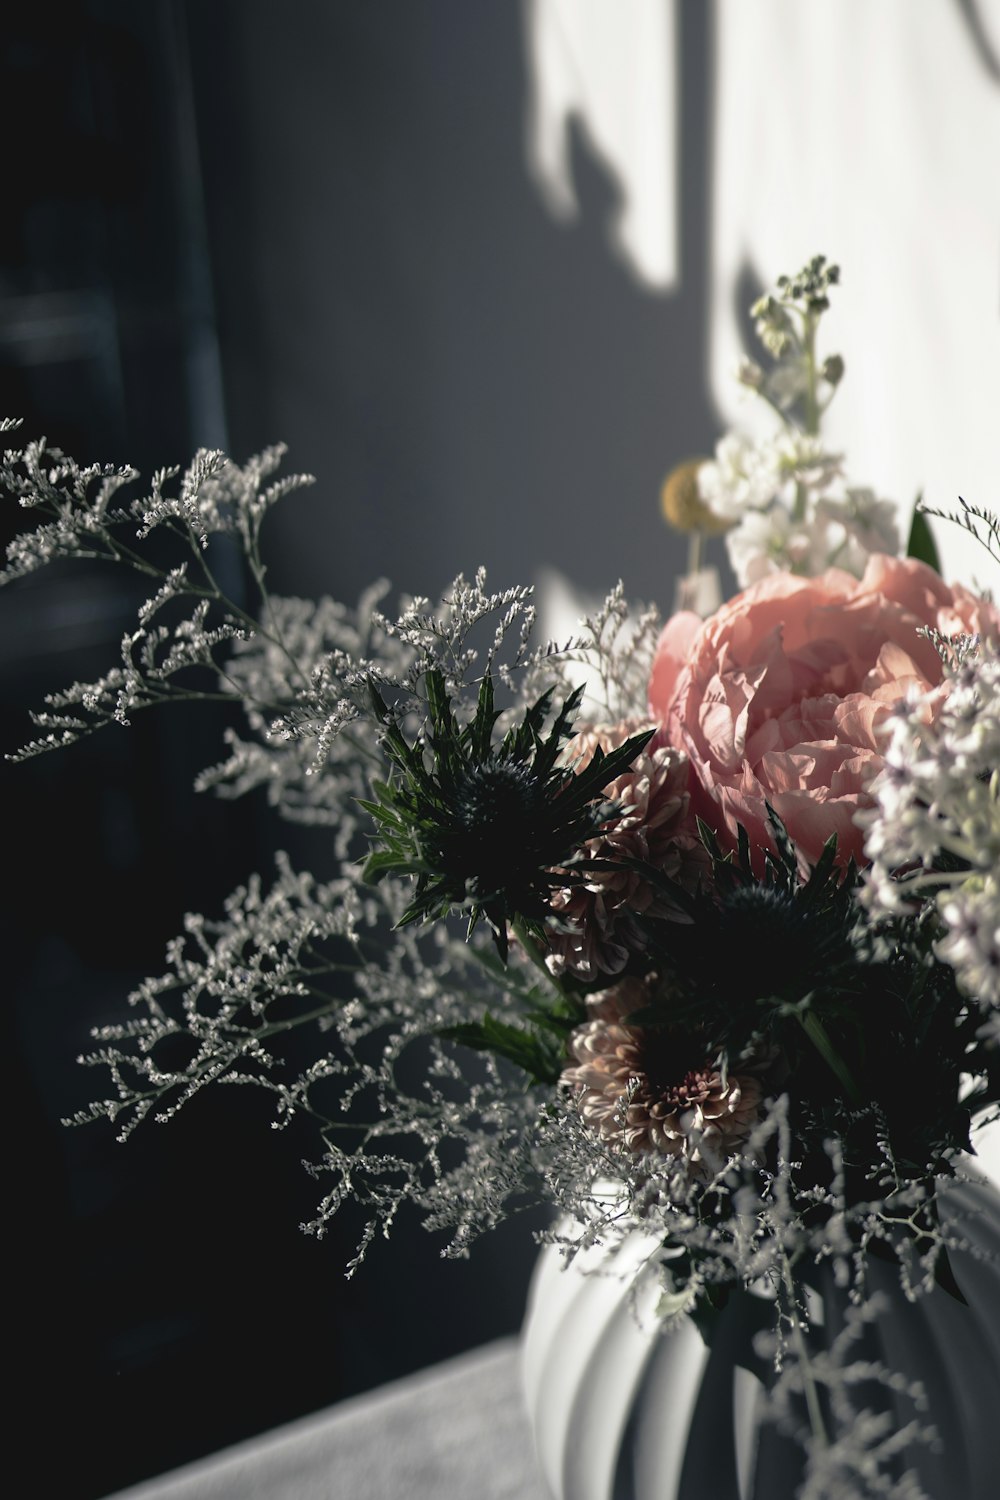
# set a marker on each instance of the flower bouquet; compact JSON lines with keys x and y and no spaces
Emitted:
{"x":691,"y":932}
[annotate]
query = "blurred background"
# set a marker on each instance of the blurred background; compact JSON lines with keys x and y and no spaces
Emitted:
{"x":485,"y":269}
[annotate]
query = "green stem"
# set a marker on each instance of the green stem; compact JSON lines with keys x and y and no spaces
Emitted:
{"x":816,"y":1032}
{"x":277,"y":1028}
{"x":798,"y":1338}
{"x":811,"y":399}
{"x":799,"y":507}
{"x":257,"y":626}
{"x":534,"y":952}
{"x":120,"y":552}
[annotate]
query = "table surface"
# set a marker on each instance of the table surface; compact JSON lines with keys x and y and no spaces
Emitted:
{"x":451,"y":1432}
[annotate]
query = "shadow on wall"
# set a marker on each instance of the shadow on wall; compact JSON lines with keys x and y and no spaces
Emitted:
{"x":469,"y":379}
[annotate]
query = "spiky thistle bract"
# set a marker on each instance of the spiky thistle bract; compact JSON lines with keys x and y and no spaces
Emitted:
{"x":487,"y":828}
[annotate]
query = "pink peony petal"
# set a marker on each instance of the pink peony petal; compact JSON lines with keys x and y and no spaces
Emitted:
{"x":676,"y":640}
{"x":856,"y":720}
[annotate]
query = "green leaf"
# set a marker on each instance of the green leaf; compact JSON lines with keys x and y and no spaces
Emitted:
{"x":506,"y":978}
{"x":787,"y":861}
{"x":672,"y":889}
{"x":743,"y":840}
{"x":534,"y":1055}
{"x":555,"y":1021}
{"x":604,"y":768}
{"x":708,"y":838}
{"x":817,"y":1034}
{"x":481,"y":728}
{"x":547,"y":751}
{"x":822,"y":872}
{"x":387,"y":817}
{"x":945,"y":1276}
{"x":382,"y":861}
{"x":673,"y":1304}
{"x":921,"y":543}
{"x":379,"y":706}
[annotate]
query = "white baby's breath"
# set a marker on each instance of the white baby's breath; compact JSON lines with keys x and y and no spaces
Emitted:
{"x":935,"y":829}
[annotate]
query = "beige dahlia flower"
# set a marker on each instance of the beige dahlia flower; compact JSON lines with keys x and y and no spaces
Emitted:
{"x":633,"y":1091}
{"x":595,"y":928}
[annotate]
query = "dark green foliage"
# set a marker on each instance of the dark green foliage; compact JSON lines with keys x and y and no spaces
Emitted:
{"x":921,"y":543}
{"x":537,"y":1052}
{"x":865,"y":1021}
{"x":757,"y":951}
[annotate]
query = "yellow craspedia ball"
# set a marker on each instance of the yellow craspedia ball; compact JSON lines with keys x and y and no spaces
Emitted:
{"x":682,"y":505}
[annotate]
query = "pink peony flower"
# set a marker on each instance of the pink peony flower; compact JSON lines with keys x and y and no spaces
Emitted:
{"x":779,"y":696}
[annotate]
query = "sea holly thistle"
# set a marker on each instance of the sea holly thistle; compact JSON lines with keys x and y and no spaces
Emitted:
{"x":794,"y":932}
{"x":488,"y":829}
{"x":824,"y":996}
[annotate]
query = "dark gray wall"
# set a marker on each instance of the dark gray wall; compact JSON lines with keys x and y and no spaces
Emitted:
{"x":311,"y":223}
{"x":471,"y":381}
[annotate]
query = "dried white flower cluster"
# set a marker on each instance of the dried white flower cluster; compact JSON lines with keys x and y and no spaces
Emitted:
{"x":611,"y":652}
{"x":187,"y":619}
{"x":935,"y":829}
{"x":784,"y":494}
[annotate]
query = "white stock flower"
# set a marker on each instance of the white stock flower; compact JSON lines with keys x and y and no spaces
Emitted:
{"x":771,"y":542}
{"x":802,"y":460}
{"x":867,"y":521}
{"x":769,"y":487}
{"x":741,"y":478}
{"x":787,"y":383}
{"x":935,"y":828}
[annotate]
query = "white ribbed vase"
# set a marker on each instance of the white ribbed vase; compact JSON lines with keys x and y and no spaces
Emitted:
{"x":623,"y":1412}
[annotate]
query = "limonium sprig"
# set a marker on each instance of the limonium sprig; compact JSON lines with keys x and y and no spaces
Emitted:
{"x":188,"y":623}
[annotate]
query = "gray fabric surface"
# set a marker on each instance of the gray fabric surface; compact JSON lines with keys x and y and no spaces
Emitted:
{"x":457,"y":1431}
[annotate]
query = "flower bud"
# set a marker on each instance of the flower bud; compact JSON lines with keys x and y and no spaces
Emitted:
{"x":750,"y":374}
{"x":832,"y":369}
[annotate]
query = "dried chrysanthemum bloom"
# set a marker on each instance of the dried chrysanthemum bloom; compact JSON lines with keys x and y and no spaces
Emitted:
{"x":632,"y":1087}
{"x":595,"y":928}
